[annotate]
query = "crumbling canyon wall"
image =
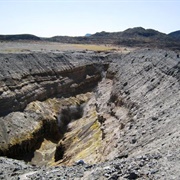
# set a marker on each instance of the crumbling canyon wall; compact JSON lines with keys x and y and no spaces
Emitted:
{"x":28,"y":77}
{"x":120,"y":110}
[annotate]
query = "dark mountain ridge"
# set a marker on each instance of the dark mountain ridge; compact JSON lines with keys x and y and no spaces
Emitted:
{"x":16,"y":37}
{"x":132,"y":37}
{"x":175,"y":34}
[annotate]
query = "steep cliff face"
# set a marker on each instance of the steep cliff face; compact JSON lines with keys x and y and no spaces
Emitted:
{"x":32,"y":135}
{"x":147,"y":83}
{"x":28,"y":77}
{"x":123,"y":113}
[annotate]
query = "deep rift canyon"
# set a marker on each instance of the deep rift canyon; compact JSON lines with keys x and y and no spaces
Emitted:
{"x":90,"y":115}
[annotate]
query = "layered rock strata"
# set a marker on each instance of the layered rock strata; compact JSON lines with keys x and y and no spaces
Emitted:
{"x":147,"y":83}
{"x":28,"y":77}
{"x":129,"y":122}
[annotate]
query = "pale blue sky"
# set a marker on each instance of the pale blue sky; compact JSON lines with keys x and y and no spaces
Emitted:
{"x":47,"y":18}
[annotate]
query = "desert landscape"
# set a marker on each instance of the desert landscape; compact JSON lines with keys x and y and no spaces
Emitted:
{"x":103,"y":106}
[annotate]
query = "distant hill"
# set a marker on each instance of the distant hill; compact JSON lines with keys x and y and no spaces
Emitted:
{"x":132,"y":37}
{"x":87,"y":35}
{"x":19,"y":37}
{"x":175,"y":34}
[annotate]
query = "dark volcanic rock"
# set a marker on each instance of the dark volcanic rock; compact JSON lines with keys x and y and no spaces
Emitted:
{"x":132,"y":37}
{"x":175,"y":34}
{"x":17,"y":37}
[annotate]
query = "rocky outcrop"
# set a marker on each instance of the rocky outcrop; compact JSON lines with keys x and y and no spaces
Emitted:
{"x":128,"y":121}
{"x":41,"y":124}
{"x":147,"y":84}
{"x":88,"y":136}
{"x":28,"y":77}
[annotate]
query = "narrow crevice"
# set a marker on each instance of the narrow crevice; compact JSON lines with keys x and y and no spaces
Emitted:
{"x":59,"y":153}
{"x":67,"y":115}
{"x":54,"y":130}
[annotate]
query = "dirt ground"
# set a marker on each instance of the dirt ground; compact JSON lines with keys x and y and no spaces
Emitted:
{"x":34,"y":46}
